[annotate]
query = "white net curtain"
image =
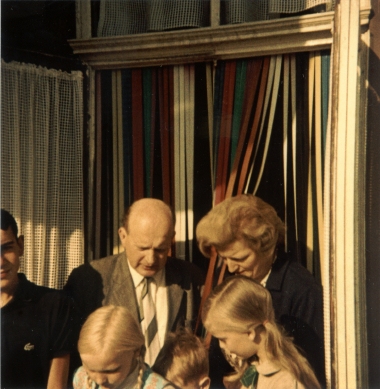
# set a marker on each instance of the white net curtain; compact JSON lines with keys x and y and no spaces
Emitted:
{"x":41,"y":167}
{"x":123,"y":17}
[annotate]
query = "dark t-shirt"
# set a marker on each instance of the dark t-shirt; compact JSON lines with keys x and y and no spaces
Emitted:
{"x":37,"y":325}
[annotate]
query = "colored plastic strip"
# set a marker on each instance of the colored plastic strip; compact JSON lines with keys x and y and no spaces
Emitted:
{"x":153,"y":98}
{"x":263,"y":114}
{"x":285,"y":140}
{"x":244,"y":175}
{"x":276,"y":85}
{"x":310,"y":216}
{"x":164,"y":132}
{"x":189,"y":144}
{"x":180,"y":172}
{"x":147,"y":106}
{"x":210,"y":103}
{"x":127,"y":134}
{"x":253,"y":76}
{"x":98,"y":164}
{"x":115,"y":162}
{"x":225,"y":132}
{"x":218,"y":101}
{"x":120,"y":157}
{"x":241,"y":70}
{"x":325,"y":97}
{"x":293,"y":91}
{"x":319,"y":155}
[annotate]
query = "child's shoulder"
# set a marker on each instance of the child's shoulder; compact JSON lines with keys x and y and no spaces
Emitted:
{"x":282,"y":379}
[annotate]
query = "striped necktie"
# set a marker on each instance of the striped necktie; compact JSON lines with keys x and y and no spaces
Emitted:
{"x":148,"y":322}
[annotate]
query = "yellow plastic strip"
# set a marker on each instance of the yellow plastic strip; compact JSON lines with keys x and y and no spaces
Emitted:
{"x":319,"y":155}
{"x":310,"y":221}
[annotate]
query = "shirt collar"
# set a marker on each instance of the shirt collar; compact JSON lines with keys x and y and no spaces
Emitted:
{"x":263,"y":282}
{"x":267,"y":368}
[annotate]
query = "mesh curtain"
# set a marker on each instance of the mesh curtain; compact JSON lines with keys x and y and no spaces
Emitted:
{"x":123,"y":17}
{"x":41,"y":167}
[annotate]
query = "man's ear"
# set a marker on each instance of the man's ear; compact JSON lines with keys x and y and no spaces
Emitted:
{"x":20,"y":243}
{"x":122,"y":235}
{"x":204,"y":382}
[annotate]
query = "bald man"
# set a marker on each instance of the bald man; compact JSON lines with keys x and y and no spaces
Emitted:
{"x":146,"y":235}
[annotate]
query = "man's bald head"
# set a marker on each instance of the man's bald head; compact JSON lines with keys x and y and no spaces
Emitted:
{"x":148,"y":208}
{"x":147,"y":234}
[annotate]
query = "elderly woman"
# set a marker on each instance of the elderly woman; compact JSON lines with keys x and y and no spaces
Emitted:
{"x":248,"y":235}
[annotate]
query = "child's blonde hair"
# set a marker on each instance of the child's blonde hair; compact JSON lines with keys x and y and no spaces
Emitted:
{"x":184,"y":356}
{"x":239,"y":304}
{"x":112,"y":329}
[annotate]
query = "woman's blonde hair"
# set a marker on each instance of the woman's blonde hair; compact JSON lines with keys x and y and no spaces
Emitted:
{"x":244,"y":217}
{"x":248,"y":304}
{"x":112,"y":329}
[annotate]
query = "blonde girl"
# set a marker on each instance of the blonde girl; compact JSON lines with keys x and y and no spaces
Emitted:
{"x":112,"y":347}
{"x":239,"y":313}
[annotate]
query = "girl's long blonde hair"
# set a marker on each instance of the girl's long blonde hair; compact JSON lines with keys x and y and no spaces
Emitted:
{"x":238,"y":304}
{"x":112,"y":328}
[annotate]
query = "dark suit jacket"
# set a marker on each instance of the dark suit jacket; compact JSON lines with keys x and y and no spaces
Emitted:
{"x":108,"y":281}
{"x":298,"y":306}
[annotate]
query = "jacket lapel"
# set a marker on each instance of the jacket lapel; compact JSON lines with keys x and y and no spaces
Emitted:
{"x":173,"y":278}
{"x":121,"y":288}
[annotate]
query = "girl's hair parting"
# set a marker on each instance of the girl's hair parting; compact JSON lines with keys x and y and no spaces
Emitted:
{"x":111,"y":328}
{"x":240,"y":303}
{"x":114,"y":329}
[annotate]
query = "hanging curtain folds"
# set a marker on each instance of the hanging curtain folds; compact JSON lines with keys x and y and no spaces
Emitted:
{"x":275,"y":81}
{"x":183,"y":77}
{"x":262,"y":141}
{"x":42,"y":170}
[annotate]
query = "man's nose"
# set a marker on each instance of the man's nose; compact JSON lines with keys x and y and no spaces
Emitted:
{"x":232,"y":266}
{"x":151,"y":257}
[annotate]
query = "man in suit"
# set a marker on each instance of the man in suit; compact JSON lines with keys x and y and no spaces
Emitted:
{"x":174,"y":285}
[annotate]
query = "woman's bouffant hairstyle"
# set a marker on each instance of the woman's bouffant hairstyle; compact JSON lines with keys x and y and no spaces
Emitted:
{"x":111,"y":328}
{"x":244,"y":217}
{"x":184,"y":356}
{"x":239,"y":304}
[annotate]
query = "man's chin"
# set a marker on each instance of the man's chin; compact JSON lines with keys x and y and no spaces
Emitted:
{"x":148,"y":272}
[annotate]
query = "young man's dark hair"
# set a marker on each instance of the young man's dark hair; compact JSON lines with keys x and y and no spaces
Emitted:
{"x":7,"y":220}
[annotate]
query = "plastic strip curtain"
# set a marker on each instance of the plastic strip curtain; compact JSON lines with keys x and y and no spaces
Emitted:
{"x":117,"y":156}
{"x":183,"y":77}
{"x":276,"y":80}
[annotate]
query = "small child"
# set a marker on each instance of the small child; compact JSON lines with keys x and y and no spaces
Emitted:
{"x":183,"y":360}
{"x":112,"y":347}
{"x":239,"y":313}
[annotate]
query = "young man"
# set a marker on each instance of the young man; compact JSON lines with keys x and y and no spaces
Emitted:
{"x":38,"y":329}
